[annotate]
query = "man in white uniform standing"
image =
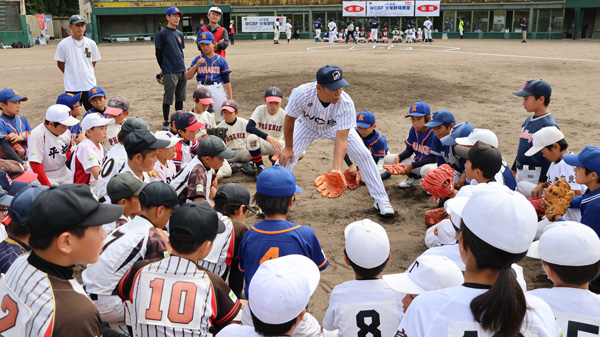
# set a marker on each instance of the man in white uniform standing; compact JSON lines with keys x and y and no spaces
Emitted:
{"x":427,"y":29}
{"x":322,"y":110}
{"x":288,"y":30}
{"x":332,"y":28}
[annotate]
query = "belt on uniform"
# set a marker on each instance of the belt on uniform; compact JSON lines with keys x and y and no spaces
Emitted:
{"x":94,"y":297}
{"x":210,"y":83}
{"x":529,"y":167}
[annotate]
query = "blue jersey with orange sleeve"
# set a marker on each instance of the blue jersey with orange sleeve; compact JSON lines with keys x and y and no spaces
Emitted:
{"x":270,"y":239}
{"x":211,"y":68}
{"x":446,"y":155}
{"x":420,"y":143}
{"x":75,"y":131}
{"x":18,"y":125}
{"x":377,"y":144}
{"x":532,"y":125}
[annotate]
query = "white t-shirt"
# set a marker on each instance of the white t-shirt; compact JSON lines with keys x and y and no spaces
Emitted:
{"x":112,"y":131}
{"x":567,"y":172}
{"x":447,"y":312}
{"x":164,"y":172}
{"x":78,"y":57}
{"x":427,"y":24}
{"x":47,"y":149}
{"x":574,"y":309}
{"x":288,"y":27}
{"x":356,"y":303}
{"x":267,"y":123}
{"x":114,"y":163}
{"x":331,"y":26}
{"x":236,"y":134}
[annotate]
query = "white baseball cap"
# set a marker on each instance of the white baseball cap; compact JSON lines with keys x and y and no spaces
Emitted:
{"x":367,"y":243}
{"x":61,"y":114}
{"x":567,"y":243}
{"x":455,"y":206}
{"x":95,"y":119}
{"x":446,"y":233}
{"x":215,"y":9}
{"x":166,"y":135}
{"x":503,"y":218}
{"x":484,"y":135}
{"x":544,"y":137}
{"x":426,"y":273}
{"x":281,"y":288}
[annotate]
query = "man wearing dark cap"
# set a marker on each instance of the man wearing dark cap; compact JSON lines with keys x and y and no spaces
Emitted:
{"x":326,"y":111}
{"x":65,"y":226}
{"x":76,"y":57}
{"x":139,"y":239}
{"x":202,"y":299}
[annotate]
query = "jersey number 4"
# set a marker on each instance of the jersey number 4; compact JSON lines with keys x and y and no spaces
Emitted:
{"x":272,"y":253}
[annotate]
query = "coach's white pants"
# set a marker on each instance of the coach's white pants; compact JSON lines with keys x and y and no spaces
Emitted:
{"x":288,"y":34}
{"x":219,"y":95}
{"x":275,"y":35}
{"x":427,"y":34}
{"x":373,"y":34}
{"x":309,"y":327}
{"x":358,"y":152}
{"x":420,"y":171}
{"x":332,"y":36}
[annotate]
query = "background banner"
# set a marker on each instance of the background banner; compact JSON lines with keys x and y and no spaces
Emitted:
{"x":355,"y":8}
{"x":390,"y":8}
{"x":427,"y":8}
{"x":262,"y":24}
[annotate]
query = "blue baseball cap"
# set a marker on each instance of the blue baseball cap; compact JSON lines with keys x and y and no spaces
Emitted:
{"x":9,"y":185}
{"x":5,"y":199}
{"x":537,"y":87}
{"x":174,"y":10}
{"x":589,"y":158}
{"x":331,"y":78}
{"x":206,"y":37}
{"x":365,"y":119}
{"x":440,"y":117}
{"x":68,"y":99}
{"x":21,"y":203}
{"x":11,"y":95}
{"x":460,"y":130}
{"x":95,"y":91}
{"x":277,"y":181}
{"x":419,"y":109}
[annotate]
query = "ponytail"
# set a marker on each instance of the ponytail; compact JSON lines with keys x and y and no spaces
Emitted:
{"x":501,"y":309}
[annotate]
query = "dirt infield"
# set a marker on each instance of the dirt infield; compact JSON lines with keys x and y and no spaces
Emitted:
{"x":472,"y":78}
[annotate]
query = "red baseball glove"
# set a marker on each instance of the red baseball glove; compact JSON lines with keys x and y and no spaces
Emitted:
{"x":352,"y":181}
{"x":439,"y":182}
{"x":330,"y":184}
{"x":394,"y":169}
{"x":434,"y":216}
{"x":538,"y":204}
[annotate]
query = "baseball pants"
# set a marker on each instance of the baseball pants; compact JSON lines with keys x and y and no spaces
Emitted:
{"x":110,"y":308}
{"x":427,"y":34}
{"x":332,"y":36}
{"x":276,"y":35}
{"x":288,"y":34}
{"x":317,"y":35}
{"x":254,"y":142}
{"x":175,"y":86}
{"x":527,"y":180}
{"x":350,"y":34}
{"x":224,"y":171}
{"x":57,"y":177}
{"x":358,"y":152}
{"x":241,"y":156}
{"x":373,"y":35}
{"x":420,"y":171}
{"x":219,"y":95}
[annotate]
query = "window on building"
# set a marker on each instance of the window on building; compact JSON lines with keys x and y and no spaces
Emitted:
{"x":499,"y":23}
{"x":543,"y":24}
{"x":449,"y":21}
{"x":518,"y":18}
{"x":466,"y":16}
{"x":481,"y":21}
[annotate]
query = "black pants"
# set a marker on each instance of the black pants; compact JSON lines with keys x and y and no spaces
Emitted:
{"x":231,"y":37}
{"x":84,"y":99}
{"x":350,"y":34}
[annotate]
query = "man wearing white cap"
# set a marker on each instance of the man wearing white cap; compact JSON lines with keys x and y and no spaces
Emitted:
{"x":355,"y":306}
{"x":220,"y":33}
{"x":570,"y":254}
{"x":281,"y":291}
{"x":49,"y":144}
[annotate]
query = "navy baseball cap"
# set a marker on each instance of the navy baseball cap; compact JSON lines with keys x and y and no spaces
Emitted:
{"x":139,"y":140}
{"x":5,"y":199}
{"x":187,"y":121}
{"x":158,"y":193}
{"x":206,"y":37}
{"x":212,"y":145}
{"x":331,"y":78}
{"x":11,"y":95}
{"x":537,"y":87}
{"x":21,"y":203}
{"x":440,"y":117}
{"x":234,"y":194}
{"x":589,"y":158}
{"x":460,"y":130}
{"x":419,"y":109}
{"x":195,"y":222}
{"x":96,"y":91}
{"x":277,"y":181}
{"x":365,"y":119}
{"x":68,"y":99}
{"x":10,"y":186}
{"x":174,"y":10}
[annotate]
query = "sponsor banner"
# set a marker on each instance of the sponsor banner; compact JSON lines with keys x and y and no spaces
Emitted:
{"x":355,"y":8}
{"x":40,"y":20}
{"x":262,"y":24}
{"x":427,"y":8}
{"x":390,"y":8}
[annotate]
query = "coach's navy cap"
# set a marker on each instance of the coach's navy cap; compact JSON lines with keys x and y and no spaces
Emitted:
{"x":10,"y":186}
{"x":206,"y":37}
{"x":214,"y":146}
{"x":158,"y":193}
{"x":11,"y":95}
{"x":21,"y":203}
{"x":535,"y":87}
{"x":140,"y":140}
{"x":62,"y":208}
{"x":419,"y":109}
{"x":460,"y":130}
{"x":440,"y":117}
{"x":589,"y":158}
{"x":195,"y":222}
{"x":365,"y":119}
{"x":174,"y":10}
{"x":277,"y":181}
{"x":68,"y":99}
{"x":331,"y":78}
{"x":75,"y":19}
{"x":234,"y":194}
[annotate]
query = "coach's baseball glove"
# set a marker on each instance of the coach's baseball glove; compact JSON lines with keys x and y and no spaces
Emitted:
{"x":434,"y":216}
{"x":439,"y":182}
{"x":394,"y":169}
{"x":330,"y":184}
{"x":219,"y":132}
{"x":352,"y":181}
{"x":159,"y":79}
{"x":558,"y":197}
{"x":538,"y":204}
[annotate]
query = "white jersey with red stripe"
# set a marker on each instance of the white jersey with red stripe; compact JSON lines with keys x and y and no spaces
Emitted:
{"x":45,"y":148}
{"x":88,"y":155}
{"x":267,"y":123}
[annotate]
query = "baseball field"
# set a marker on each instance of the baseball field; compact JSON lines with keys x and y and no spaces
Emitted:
{"x":472,"y":78}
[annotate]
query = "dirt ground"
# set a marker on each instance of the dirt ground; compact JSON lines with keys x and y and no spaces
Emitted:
{"x":472,"y":78}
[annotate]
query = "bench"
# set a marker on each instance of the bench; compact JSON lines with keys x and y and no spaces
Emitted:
{"x":594,"y":33}
{"x":131,"y":37}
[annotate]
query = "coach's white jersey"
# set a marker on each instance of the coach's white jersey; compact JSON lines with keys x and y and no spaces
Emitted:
{"x":206,"y":118}
{"x":427,"y":24}
{"x":113,"y":163}
{"x":577,"y":311}
{"x":305,"y":105}
{"x":164,"y":172}
{"x":222,"y":248}
{"x":567,"y":172}
{"x":267,"y":123}
{"x":45,"y":148}
{"x":236,"y":134}
{"x":363,"y":307}
{"x":331,"y":26}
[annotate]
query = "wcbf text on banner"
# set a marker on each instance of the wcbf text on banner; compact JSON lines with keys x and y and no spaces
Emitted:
{"x":390,"y":8}
{"x":355,"y":8}
{"x":262,"y":24}
{"x":427,"y":8}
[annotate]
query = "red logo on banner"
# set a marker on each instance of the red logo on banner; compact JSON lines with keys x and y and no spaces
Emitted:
{"x":354,"y":9}
{"x":427,"y":8}
{"x":40,"y":20}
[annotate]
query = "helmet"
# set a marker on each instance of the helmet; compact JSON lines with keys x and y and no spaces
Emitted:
{"x":385,"y":29}
{"x":362,"y":28}
{"x":375,"y":17}
{"x":419,"y":29}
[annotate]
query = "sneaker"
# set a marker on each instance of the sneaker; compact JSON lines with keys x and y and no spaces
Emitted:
{"x":259,"y":169}
{"x":236,"y":167}
{"x":523,"y":41}
{"x":166,"y":126}
{"x":248,"y":169}
{"x":385,"y":208}
{"x":408,"y":182}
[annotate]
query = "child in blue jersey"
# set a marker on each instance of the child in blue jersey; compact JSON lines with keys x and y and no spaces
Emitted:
{"x":14,"y":129}
{"x":419,"y":142}
{"x":211,"y":70}
{"x":443,"y":124}
{"x":536,"y":97}
{"x":72,"y":101}
{"x":374,"y":141}
{"x":97,"y":98}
